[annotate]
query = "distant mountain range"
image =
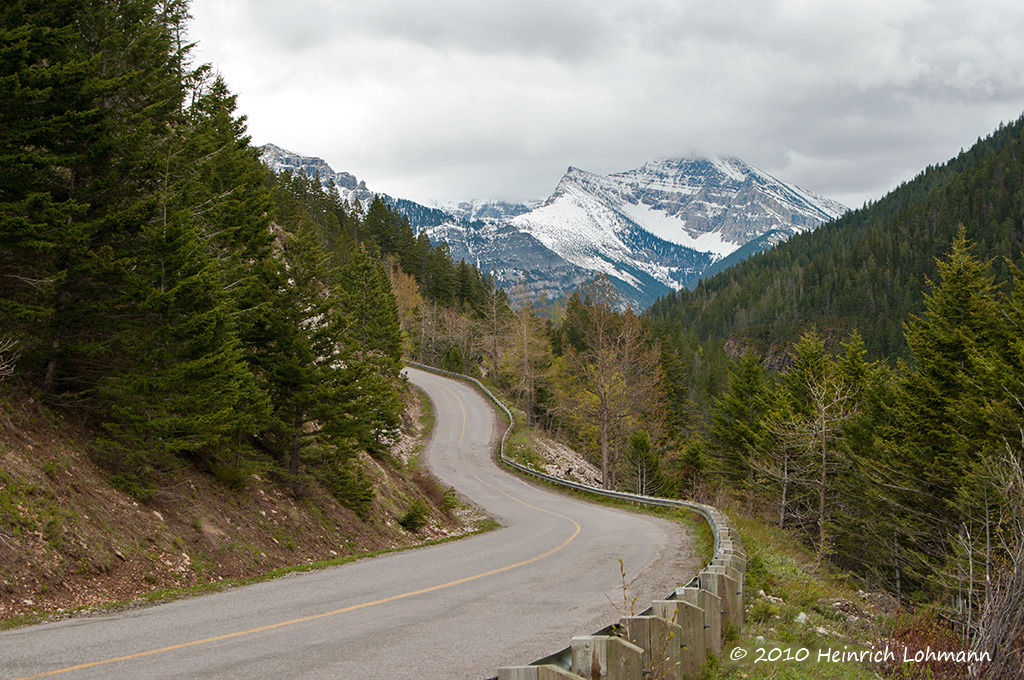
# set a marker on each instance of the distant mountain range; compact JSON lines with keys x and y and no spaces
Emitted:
{"x":652,"y":230}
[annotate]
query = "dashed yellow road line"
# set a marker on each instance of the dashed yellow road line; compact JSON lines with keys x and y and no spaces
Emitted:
{"x":462,"y":435}
{"x":314,"y":617}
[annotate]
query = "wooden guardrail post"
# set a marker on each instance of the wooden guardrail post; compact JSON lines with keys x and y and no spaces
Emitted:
{"x":692,"y":641}
{"x":604,"y":657}
{"x":716,"y":582}
{"x":711,"y":605}
{"x":718,"y":598}
{"x":659,"y":638}
{"x":731,"y":592}
{"x":730,"y":560}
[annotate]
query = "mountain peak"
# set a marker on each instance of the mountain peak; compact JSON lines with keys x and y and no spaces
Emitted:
{"x":652,"y":229}
{"x":661,"y":226}
{"x":281,"y":160}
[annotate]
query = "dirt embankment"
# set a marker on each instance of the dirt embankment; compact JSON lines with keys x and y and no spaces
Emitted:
{"x":69,"y":540}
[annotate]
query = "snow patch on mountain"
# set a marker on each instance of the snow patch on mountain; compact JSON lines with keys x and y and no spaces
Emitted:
{"x":485,"y":209}
{"x":673,"y":230}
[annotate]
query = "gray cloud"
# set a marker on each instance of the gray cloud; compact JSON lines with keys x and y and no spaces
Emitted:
{"x":462,"y":98}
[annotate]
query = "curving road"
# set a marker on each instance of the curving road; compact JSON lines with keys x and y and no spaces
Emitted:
{"x":457,"y":610}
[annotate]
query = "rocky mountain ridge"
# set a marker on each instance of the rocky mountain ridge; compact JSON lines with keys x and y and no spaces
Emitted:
{"x":651,"y":230}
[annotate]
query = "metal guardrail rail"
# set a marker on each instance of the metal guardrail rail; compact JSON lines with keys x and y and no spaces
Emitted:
{"x":563,"y":658}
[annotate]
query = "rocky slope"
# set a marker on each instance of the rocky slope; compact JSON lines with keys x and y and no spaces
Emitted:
{"x":70,"y":540}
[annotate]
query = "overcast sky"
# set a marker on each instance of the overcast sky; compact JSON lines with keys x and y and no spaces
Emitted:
{"x":460,"y":99}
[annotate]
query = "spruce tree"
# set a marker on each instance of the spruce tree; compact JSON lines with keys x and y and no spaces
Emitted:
{"x":330,"y":399}
{"x":938,"y":401}
{"x":374,"y":335}
{"x":91,"y":90}
{"x":737,"y":429}
{"x":184,"y":387}
{"x":938,"y":429}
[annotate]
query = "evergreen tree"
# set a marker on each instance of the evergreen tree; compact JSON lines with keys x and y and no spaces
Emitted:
{"x":366,"y":298}
{"x":91,"y":91}
{"x":375,"y":357}
{"x":938,"y":404}
{"x":331,"y":396}
{"x":184,"y":387}
{"x":643,"y":473}
{"x":301,"y":331}
{"x":48,"y":119}
{"x":737,"y":428}
{"x":937,"y":429}
{"x":224,"y":183}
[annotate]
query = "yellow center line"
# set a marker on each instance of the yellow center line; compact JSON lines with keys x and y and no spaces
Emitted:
{"x":314,"y":617}
{"x":462,"y":435}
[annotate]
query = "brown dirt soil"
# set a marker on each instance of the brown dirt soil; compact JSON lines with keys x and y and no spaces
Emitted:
{"x":70,"y":541}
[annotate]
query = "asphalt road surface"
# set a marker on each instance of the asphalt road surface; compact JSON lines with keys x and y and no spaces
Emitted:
{"x":450,"y":611}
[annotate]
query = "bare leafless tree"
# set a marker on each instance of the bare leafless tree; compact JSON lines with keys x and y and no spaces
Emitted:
{"x":614,"y":379}
{"x":809,"y":453}
{"x":8,"y":356}
{"x":527,"y":347}
{"x":999,"y":630}
{"x":497,"y":313}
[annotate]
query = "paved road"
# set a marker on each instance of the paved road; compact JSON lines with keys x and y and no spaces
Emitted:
{"x":457,"y":610}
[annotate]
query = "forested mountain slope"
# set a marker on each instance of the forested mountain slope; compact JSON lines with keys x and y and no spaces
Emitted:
{"x":866,"y":270}
{"x":862,"y":385}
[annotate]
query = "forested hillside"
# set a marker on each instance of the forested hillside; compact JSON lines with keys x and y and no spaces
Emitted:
{"x":189,"y":311}
{"x":868,"y":269}
{"x":863,"y":385}
{"x":160,"y":284}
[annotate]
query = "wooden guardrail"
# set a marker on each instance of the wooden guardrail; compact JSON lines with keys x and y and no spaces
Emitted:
{"x":671,"y":640}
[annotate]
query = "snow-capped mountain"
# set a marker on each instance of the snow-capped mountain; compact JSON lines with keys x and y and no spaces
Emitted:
{"x":652,"y":230}
{"x":282,"y":160}
{"x":483,"y":209}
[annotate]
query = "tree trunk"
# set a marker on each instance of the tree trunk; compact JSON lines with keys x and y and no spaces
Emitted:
{"x":293,"y":461}
{"x":785,"y":488}
{"x":821,"y":493}
{"x":606,"y":477}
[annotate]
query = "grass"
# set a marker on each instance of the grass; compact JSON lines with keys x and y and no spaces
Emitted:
{"x":427,"y":417}
{"x":776,"y":641}
{"x":772,"y":640}
{"x":519,"y":444}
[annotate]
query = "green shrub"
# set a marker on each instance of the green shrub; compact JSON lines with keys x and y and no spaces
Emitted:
{"x":348,"y":484}
{"x":234,"y":477}
{"x":415,"y":517}
{"x":133,"y":485}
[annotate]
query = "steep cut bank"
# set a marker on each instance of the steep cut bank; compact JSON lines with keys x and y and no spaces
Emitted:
{"x":70,"y":540}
